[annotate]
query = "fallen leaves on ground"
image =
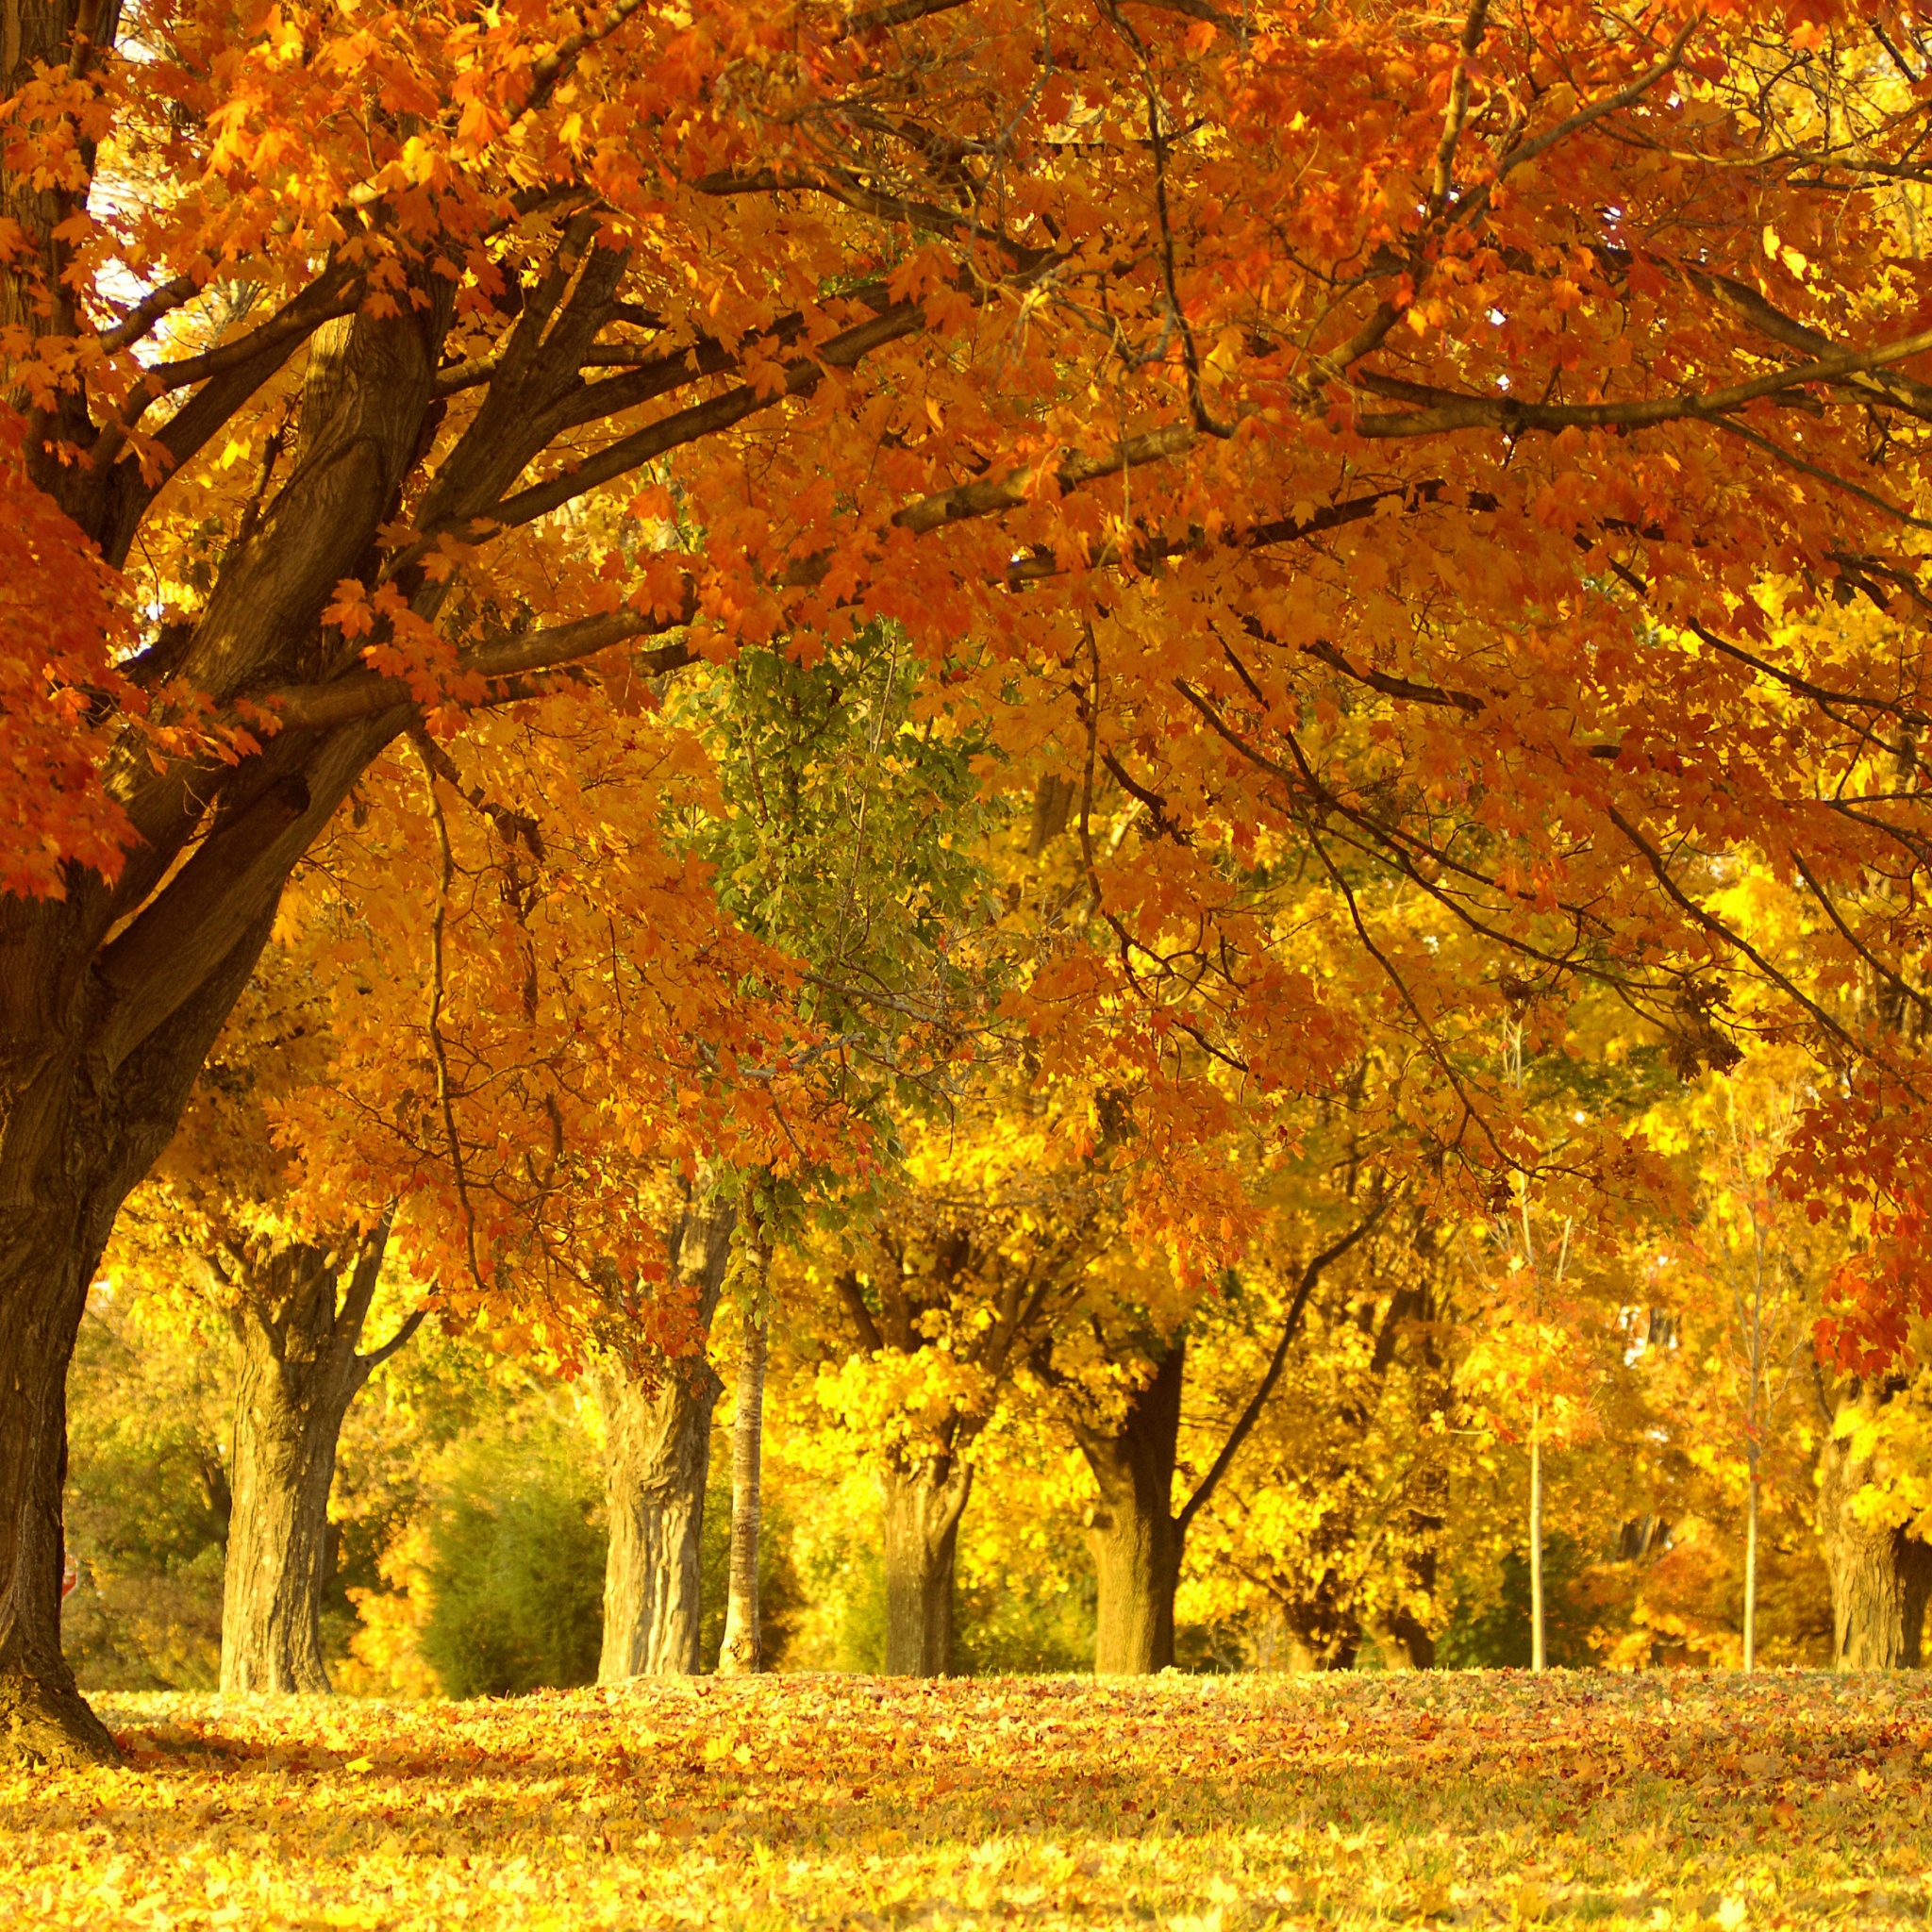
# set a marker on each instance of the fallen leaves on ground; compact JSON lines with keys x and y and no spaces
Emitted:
{"x":1204,"y":1804}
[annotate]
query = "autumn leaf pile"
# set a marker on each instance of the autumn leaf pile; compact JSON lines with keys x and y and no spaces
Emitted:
{"x":1203,"y":1803}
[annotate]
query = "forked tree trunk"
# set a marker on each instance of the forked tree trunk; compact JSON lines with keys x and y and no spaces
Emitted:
{"x":1880,"y":1577}
{"x":299,"y":1320}
{"x":922,"y":1509}
{"x":658,"y":1462}
{"x":1137,"y":1543}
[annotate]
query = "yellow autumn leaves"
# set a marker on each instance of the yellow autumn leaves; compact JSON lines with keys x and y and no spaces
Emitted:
{"x":824,"y":1802}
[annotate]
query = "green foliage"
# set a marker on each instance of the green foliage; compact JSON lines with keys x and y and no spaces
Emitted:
{"x":851,"y":1600}
{"x":516,"y":1570}
{"x":147,"y":1500}
{"x":396,"y":1437}
{"x":1023,"y":1632}
{"x":1489,"y":1629}
{"x":1019,"y":1616}
{"x":852,"y":815}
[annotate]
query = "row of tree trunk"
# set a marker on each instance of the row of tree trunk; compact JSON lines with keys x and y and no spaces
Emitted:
{"x":298,"y":1319}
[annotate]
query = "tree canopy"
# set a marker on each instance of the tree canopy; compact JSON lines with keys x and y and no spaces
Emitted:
{"x":1426,"y":508}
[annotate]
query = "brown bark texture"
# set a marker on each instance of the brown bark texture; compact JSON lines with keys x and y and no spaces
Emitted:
{"x":111,"y":996}
{"x":77,"y":1135}
{"x":1880,"y":1577}
{"x":298,"y":1319}
{"x":658,"y":1434}
{"x":1137,"y":1543}
{"x":923,"y":1505}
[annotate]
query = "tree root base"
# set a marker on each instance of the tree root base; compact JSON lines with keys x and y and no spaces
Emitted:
{"x":55,"y":1729}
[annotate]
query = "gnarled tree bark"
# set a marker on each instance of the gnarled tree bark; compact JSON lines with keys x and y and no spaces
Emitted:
{"x":71,"y":1148}
{"x":924,"y":1504}
{"x":1137,"y":1543}
{"x":1881,"y":1578}
{"x":298,"y":1318}
{"x":112,"y":996}
{"x":657,"y":1462}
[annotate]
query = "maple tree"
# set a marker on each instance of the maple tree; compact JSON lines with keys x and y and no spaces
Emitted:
{"x":1120,"y":1387}
{"x":844,"y":801}
{"x":1333,"y":1537}
{"x":932,"y":1302}
{"x":1479,"y":453}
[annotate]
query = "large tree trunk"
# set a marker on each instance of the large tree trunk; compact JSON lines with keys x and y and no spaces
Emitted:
{"x":299,"y":1320}
{"x":658,"y":1462}
{"x":1880,"y":1577}
{"x":75,"y":1135}
{"x":922,"y":1509}
{"x":1137,"y":1543}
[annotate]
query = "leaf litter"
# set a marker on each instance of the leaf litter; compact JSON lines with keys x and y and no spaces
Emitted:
{"x":1204,"y":1805}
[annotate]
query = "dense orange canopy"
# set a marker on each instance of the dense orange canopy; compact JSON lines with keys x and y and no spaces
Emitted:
{"x":1500,"y":417}
{"x":1445,"y":491}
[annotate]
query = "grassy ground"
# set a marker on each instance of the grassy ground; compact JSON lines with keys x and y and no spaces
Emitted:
{"x":1213,"y":1804}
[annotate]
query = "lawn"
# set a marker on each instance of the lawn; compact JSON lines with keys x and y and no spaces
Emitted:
{"x":1210,"y":1802}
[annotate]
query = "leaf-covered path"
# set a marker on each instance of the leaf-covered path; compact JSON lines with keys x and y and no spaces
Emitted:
{"x":1653,"y":1801}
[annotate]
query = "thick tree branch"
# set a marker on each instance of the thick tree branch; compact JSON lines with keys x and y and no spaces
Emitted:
{"x":1440,"y":411}
{"x":366,"y":693}
{"x":853,"y":1301}
{"x":684,"y":427}
{"x":369,"y":1363}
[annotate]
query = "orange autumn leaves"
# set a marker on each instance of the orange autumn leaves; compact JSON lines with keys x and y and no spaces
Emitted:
{"x":1356,"y":445}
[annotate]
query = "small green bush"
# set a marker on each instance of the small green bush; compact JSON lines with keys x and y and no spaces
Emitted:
{"x":516,"y":1569}
{"x":147,"y":1500}
{"x":1016,"y":1632}
{"x":1494,"y":1633}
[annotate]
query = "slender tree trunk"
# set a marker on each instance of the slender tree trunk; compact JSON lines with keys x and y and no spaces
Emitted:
{"x":922,"y":1509}
{"x":299,"y":1371}
{"x":741,"y":1651}
{"x":1537,"y":1656}
{"x":1137,"y":1543}
{"x":1880,"y":1577}
{"x":1751,"y":1570}
{"x":658,"y":1459}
